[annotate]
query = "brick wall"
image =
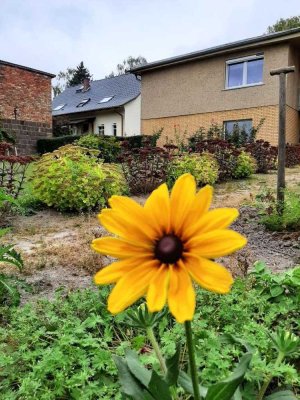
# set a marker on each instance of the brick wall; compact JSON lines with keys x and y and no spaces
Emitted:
{"x":30,"y":92}
{"x":190,"y":123}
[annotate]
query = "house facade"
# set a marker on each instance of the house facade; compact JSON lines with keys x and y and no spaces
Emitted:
{"x":110,"y":107}
{"x":25,"y":104}
{"x":226,"y":85}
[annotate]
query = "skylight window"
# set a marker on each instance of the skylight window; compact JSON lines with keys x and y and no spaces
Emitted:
{"x":106,"y":99}
{"x":59,"y":107}
{"x":83,"y":102}
{"x":80,"y":89}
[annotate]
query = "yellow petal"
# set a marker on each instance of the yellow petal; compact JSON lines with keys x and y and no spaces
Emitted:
{"x":181,"y":295}
{"x":124,"y":226}
{"x":131,"y":287}
{"x":131,"y":210}
{"x":158,"y":208}
{"x":216,"y":243}
{"x":157,"y":291}
{"x":208,"y":274}
{"x":219,"y":218}
{"x":182,"y":197}
{"x":116,"y":270}
{"x":200,"y":206}
{"x":120,"y":249}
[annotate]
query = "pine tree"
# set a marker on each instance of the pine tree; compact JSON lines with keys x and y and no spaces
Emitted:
{"x":81,"y":72}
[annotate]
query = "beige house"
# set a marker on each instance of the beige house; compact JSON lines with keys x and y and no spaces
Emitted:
{"x":225,"y":84}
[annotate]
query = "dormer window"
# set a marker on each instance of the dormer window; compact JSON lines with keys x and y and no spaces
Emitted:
{"x":106,"y":99}
{"x":83,"y":102}
{"x":59,"y":107}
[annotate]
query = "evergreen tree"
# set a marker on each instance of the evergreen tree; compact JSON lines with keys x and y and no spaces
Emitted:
{"x":81,"y":72}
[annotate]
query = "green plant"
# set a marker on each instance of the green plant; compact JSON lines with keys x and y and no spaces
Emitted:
{"x":48,"y":145}
{"x":269,"y":216}
{"x":108,"y":147}
{"x":245,"y":166}
{"x":203,"y":167}
{"x":73,"y":178}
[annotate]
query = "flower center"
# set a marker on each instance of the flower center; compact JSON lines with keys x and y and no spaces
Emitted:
{"x":168,"y":249}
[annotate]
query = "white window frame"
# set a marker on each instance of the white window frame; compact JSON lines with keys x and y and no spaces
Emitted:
{"x":101,"y":127}
{"x":243,"y":60}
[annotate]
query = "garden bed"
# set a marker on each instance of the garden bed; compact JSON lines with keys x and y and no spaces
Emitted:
{"x":56,"y":246}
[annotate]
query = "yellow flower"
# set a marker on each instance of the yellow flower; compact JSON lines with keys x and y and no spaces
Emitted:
{"x":165,"y":245}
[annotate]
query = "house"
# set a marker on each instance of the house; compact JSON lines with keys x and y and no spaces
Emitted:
{"x":226,"y":84}
{"x":25,"y":104}
{"x":108,"y":106}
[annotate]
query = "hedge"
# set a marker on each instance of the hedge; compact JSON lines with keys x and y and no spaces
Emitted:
{"x":47,"y":145}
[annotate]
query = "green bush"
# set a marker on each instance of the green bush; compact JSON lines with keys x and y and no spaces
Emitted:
{"x":269,"y":216}
{"x":73,"y":178}
{"x":109,"y":147}
{"x":63,"y":349}
{"x":48,"y":145}
{"x":203,"y":167}
{"x":245,"y":167}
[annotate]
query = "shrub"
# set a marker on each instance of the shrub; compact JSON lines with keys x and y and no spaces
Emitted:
{"x":245,"y":166}
{"x":265,"y":155}
{"x":48,"y":145}
{"x":203,"y":167}
{"x":292,"y":155}
{"x":288,"y":220}
{"x":72,"y":178}
{"x":108,"y":146}
{"x":145,"y":168}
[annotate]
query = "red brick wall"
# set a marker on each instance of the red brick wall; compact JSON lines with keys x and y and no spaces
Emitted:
{"x":29,"y":91}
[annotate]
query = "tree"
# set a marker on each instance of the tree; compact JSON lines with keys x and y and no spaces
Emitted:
{"x":81,"y":72}
{"x":284,"y":24}
{"x":127,"y":64}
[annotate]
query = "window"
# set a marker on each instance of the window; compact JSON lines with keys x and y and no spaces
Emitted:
{"x":80,"y":89}
{"x":246,"y":71}
{"x":242,"y":125}
{"x":114,"y":129}
{"x":83,"y":102}
{"x":101,"y":129}
{"x":57,"y":108}
{"x":106,"y":99}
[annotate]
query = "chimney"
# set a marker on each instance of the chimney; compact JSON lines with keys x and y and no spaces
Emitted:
{"x":86,"y":84}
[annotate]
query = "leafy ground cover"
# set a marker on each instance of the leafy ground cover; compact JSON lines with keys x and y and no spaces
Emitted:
{"x":62,"y":349}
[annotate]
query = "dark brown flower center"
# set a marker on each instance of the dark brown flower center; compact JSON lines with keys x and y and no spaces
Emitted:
{"x":168,"y":249}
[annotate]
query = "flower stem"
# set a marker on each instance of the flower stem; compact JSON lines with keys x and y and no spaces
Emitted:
{"x":192,"y":360}
{"x":156,"y":348}
{"x":267,"y":381}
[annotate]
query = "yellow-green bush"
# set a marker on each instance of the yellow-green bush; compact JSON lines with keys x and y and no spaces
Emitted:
{"x":73,"y":178}
{"x":245,"y":166}
{"x":203,"y":167}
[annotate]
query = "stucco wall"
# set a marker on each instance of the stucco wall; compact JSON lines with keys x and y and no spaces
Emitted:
{"x":199,"y":87}
{"x":108,"y":119}
{"x":132,"y":122}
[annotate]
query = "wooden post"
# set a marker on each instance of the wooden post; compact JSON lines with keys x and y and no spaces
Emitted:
{"x":282,"y":72}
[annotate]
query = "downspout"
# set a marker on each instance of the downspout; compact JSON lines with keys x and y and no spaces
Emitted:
{"x":122,"y":122}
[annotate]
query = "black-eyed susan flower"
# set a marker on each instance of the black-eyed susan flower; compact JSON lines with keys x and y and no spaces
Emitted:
{"x":164,"y":246}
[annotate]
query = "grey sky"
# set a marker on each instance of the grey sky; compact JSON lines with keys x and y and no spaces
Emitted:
{"x":55,"y":34}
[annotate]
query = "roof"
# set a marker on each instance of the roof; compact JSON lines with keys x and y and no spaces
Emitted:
{"x":224,"y":48}
{"x":122,"y":89}
{"x":37,"y":71}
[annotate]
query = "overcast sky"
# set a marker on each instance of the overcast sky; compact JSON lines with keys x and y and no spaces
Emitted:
{"x":52,"y":35}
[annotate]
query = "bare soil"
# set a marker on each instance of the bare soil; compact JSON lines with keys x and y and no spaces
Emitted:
{"x":57,"y":254}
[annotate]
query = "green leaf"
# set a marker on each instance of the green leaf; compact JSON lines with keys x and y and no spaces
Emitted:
{"x":130,"y":386}
{"x":224,"y":390}
{"x":172,"y":364}
{"x":185,"y":382}
{"x":230,"y":339}
{"x":139,"y":372}
{"x":159,"y":388}
{"x":282,"y":395}
{"x":276,"y":290}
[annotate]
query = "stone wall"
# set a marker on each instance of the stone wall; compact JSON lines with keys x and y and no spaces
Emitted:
{"x":26,"y":133}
